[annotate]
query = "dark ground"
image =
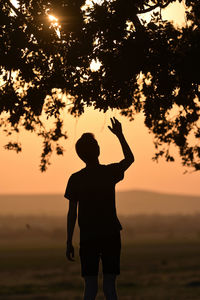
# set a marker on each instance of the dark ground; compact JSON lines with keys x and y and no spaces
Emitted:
{"x":160,"y":259}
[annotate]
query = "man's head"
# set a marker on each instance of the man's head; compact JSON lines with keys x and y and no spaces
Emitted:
{"x":87,"y":148}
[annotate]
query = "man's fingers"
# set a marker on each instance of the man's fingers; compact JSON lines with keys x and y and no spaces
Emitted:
{"x":112,"y":121}
{"x":70,"y":253}
{"x":116,"y":121}
{"x":71,"y":259}
{"x":69,"y":256}
{"x":116,"y":126}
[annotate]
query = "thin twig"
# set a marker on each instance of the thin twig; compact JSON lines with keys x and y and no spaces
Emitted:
{"x":154,"y":7}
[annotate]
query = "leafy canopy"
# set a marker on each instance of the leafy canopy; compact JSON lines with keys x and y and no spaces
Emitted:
{"x":142,"y":66}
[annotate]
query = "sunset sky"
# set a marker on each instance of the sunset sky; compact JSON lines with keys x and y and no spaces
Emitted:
{"x":20,"y":172}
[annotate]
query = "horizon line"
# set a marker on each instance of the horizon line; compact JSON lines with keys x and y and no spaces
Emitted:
{"x":117,"y":191}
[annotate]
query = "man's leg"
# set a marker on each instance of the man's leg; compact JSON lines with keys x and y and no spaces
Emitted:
{"x":91,"y":287}
{"x":109,"y":287}
{"x":111,"y":250}
{"x":89,"y":256}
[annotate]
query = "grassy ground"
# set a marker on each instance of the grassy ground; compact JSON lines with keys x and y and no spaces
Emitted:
{"x":160,"y":260}
{"x":152,"y":269}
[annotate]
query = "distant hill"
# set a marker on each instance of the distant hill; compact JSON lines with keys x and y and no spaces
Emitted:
{"x":128,"y":203}
{"x":147,"y":202}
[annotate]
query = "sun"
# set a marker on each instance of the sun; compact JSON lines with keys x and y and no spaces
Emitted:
{"x":52,"y":18}
{"x":55,"y":24}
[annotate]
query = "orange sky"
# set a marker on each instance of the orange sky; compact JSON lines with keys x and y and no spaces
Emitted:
{"x":20,"y":172}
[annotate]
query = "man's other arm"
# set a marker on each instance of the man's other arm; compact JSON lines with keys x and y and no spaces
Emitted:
{"x":71,"y":221}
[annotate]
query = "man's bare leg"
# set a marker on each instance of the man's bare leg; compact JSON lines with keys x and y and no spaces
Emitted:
{"x":109,"y":287}
{"x":91,"y":287}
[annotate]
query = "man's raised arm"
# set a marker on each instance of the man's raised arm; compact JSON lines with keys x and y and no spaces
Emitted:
{"x":128,"y":155}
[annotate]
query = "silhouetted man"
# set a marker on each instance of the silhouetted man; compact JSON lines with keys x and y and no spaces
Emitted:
{"x":93,"y":190}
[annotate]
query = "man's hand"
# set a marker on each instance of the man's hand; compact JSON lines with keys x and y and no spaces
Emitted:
{"x":128,"y":155}
{"x":116,"y":127}
{"x":70,"y":251}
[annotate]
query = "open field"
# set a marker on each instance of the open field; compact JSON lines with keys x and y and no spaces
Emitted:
{"x":133,"y":202}
{"x":160,"y":259}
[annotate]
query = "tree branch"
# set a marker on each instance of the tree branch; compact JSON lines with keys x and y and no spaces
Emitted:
{"x":154,"y":7}
{"x":14,"y":8}
{"x":137,"y":23}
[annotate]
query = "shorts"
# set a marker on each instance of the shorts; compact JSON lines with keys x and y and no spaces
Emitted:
{"x":107,"y":249}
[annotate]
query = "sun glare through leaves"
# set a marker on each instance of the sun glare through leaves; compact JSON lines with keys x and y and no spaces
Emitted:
{"x":53,"y":19}
{"x":54,"y":23}
{"x":95,"y":65}
{"x":15,"y":3}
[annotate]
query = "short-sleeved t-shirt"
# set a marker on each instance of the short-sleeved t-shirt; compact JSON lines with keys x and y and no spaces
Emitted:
{"x":94,"y":190}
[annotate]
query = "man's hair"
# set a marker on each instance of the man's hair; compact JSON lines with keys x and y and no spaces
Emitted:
{"x":87,"y":147}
